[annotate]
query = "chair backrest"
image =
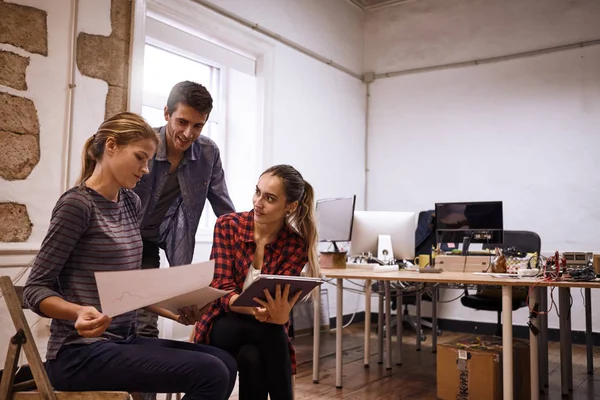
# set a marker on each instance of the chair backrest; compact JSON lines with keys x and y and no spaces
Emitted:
{"x":14,"y":303}
{"x":526,"y":241}
{"x":425,"y":233}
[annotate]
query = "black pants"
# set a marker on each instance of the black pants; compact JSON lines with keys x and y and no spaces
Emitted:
{"x":145,"y":365}
{"x":262,"y":354}
{"x":147,"y":322}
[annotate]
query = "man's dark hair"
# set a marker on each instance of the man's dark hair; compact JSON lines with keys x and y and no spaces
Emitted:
{"x":191,"y":94}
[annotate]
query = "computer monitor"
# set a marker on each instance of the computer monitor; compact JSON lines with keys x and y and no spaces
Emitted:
{"x":334,"y":219}
{"x":381,"y":232}
{"x":475,"y":222}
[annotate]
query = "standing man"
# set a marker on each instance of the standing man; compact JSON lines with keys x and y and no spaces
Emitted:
{"x":185,"y":171}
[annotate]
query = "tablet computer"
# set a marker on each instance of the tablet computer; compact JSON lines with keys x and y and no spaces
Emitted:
{"x":256,"y":289}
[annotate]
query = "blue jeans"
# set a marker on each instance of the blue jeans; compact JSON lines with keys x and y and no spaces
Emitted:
{"x":145,"y":365}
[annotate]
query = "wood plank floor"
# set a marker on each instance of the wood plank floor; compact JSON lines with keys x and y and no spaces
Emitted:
{"x":416,"y":378}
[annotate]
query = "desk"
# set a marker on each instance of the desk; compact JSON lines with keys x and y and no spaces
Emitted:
{"x":367,"y":274}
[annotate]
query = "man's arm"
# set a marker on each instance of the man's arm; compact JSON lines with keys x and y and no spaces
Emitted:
{"x":218,"y":195}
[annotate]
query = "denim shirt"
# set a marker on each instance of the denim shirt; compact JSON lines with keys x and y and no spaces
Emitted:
{"x":201,"y":176}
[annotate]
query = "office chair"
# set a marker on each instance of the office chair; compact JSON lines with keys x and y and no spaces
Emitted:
{"x":491,"y":299}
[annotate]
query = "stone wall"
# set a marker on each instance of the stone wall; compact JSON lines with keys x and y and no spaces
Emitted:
{"x":25,"y":28}
{"x":24,"y":35}
{"x":107,"y":57}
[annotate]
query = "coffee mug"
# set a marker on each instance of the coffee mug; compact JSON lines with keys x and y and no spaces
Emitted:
{"x":422,"y":260}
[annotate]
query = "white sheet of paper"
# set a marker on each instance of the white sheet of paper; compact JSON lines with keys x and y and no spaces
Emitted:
{"x":174,"y":287}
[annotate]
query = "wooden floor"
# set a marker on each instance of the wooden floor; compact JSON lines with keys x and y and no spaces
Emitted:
{"x":416,"y":378}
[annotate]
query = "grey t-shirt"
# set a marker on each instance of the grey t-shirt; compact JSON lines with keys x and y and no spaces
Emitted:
{"x":170,"y":193}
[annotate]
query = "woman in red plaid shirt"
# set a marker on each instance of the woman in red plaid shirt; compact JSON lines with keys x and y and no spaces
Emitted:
{"x":278,"y":237}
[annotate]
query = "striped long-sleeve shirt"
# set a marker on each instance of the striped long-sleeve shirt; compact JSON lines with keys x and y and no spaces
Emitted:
{"x":87,"y":233}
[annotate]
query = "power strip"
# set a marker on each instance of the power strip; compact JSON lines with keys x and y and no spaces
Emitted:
{"x":385,"y":268}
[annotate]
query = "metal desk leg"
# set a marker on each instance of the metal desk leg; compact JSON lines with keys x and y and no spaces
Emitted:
{"x":367,"y":322}
{"x":316,"y":335}
{"x":544,"y":371}
{"x":569,"y":340}
{"x":399,"y":327}
{"x":380,"y":317}
{"x":419,"y":327}
{"x":588,"y":331}
{"x":434,"y":327}
{"x":388,"y":326}
{"x":339,"y":324}
{"x":507,"y":343}
{"x":533,"y":350}
{"x":563,"y":309}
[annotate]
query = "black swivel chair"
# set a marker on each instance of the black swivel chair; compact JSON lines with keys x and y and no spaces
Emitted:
{"x":491,"y":299}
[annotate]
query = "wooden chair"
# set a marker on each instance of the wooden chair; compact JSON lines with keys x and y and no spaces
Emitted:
{"x":39,"y":387}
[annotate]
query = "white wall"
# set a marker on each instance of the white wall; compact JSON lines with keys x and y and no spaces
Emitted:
{"x":433,"y":32}
{"x":522,"y":131}
{"x":331,"y":28}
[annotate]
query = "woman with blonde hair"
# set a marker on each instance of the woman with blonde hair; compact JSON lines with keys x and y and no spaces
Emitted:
{"x":278,"y":237}
{"x":95,"y":227}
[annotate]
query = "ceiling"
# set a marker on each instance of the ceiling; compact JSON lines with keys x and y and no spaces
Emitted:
{"x":372,"y":4}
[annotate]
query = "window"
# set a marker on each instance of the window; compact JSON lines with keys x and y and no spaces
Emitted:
{"x":179,"y":41}
{"x":162,"y":70}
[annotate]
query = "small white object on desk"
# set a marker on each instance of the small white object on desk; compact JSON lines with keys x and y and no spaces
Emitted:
{"x":497,"y":274}
{"x":385,"y":268}
{"x":528,"y":272}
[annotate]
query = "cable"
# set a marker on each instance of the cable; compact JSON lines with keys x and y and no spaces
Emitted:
{"x":450,"y":301}
{"x":20,"y":275}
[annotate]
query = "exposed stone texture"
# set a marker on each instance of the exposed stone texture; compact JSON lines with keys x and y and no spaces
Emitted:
{"x":24,"y":27}
{"x":116,"y":100}
{"x":103,"y":58}
{"x":18,"y":115}
{"x":16,"y":225}
{"x":19,"y":154}
{"x":107,"y":58}
{"x":12,"y":70}
{"x":120,"y":19}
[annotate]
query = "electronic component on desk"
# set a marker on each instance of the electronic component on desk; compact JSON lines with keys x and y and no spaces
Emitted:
{"x":430,"y":270}
{"x":581,"y":274}
{"x":385,"y":268}
{"x":578,"y":258}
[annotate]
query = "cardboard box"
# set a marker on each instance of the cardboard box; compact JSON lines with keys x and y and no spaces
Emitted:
{"x":470,"y":368}
{"x":333,"y":259}
{"x":457,"y":263}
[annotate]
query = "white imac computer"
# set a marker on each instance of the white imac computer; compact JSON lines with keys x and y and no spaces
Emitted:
{"x":390,"y":235}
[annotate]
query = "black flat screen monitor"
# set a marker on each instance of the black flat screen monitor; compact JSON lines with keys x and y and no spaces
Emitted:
{"x":477,"y":222}
{"x":335,"y":218}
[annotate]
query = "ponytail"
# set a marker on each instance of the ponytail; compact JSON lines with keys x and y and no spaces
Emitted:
{"x":305,"y":220}
{"x":88,"y":160}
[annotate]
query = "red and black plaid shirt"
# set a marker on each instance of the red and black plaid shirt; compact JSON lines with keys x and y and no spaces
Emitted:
{"x":233,"y":251}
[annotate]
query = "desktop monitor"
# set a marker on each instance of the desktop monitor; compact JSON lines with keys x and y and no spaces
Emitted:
{"x":477,"y":222}
{"x":381,"y":232}
{"x":334,"y":219}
